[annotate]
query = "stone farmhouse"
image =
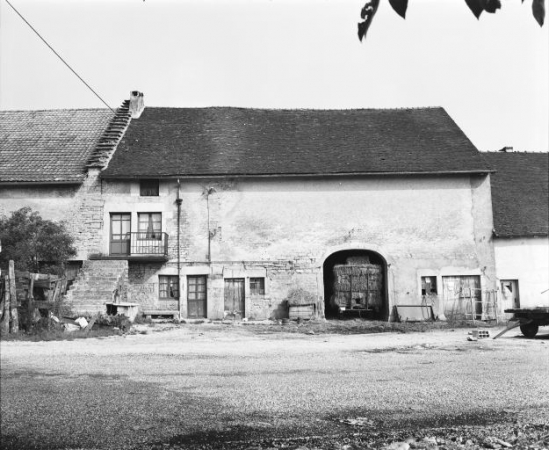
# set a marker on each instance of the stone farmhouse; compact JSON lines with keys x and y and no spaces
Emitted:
{"x":231,"y":212}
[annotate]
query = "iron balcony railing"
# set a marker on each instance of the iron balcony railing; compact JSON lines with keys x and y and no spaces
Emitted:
{"x":139,"y":243}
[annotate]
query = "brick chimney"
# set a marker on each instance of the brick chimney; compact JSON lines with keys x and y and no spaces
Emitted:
{"x":137,"y":105}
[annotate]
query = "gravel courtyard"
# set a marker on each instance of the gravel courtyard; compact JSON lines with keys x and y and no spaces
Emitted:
{"x":238,"y":387}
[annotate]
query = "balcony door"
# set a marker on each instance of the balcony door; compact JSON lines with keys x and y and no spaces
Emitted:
{"x":120,"y":234}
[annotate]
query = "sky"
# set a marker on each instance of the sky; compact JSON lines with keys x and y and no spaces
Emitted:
{"x":491,"y":75}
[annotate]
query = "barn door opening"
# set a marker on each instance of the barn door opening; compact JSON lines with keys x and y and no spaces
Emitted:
{"x":234,"y":297}
{"x":355,"y":285}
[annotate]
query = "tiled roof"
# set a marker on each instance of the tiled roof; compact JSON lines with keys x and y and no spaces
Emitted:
{"x":51,"y":146}
{"x":520,"y":193}
{"x":186,"y":142}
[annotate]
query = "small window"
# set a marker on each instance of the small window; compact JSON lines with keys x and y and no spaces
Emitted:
{"x":149,"y":226}
{"x":149,"y":188}
{"x":169,"y":286}
{"x":429,"y":285}
{"x":257,"y":286}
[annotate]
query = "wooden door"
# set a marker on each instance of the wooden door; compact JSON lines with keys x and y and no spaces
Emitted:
{"x":120,"y":234}
{"x":197,"y":298}
{"x":462,"y":297}
{"x":234,"y":296}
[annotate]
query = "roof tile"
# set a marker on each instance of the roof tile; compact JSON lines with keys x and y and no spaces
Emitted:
{"x":50,"y":145}
{"x":520,"y":193}
{"x":169,"y":142}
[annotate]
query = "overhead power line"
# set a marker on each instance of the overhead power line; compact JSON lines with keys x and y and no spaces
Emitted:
{"x":59,"y":56}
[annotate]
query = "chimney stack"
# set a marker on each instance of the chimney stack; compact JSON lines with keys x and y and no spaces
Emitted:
{"x":137,"y":105}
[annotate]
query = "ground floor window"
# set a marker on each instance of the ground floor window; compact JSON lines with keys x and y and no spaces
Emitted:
{"x":510,"y":293}
{"x":257,"y":286}
{"x":169,"y":286}
{"x":429,"y":285}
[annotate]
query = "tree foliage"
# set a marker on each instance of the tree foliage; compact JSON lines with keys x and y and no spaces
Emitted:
{"x":477,"y":7}
{"x":30,"y":241}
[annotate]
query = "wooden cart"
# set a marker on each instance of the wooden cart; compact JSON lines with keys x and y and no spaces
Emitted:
{"x":528,"y":319}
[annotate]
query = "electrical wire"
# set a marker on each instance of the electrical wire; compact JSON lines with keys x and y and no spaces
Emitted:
{"x":59,"y":56}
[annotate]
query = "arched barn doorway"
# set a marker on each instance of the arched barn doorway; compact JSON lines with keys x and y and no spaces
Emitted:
{"x":355,"y":285}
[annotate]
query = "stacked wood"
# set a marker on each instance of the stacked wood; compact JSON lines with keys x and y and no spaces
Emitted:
{"x":358,"y":286}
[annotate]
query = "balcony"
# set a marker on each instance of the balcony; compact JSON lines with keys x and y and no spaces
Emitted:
{"x":140,"y":246}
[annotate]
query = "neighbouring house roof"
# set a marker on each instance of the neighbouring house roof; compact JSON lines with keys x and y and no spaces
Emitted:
{"x":520,"y":193}
{"x":198,"y":142}
{"x":50,"y":146}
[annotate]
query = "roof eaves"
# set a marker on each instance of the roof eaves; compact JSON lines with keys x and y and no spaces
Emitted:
{"x":277,"y":175}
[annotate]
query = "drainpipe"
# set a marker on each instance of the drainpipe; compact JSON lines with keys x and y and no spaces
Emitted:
{"x":178,"y":202}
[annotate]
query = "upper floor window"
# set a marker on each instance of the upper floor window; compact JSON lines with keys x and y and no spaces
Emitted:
{"x":149,"y":188}
{"x":149,"y":225}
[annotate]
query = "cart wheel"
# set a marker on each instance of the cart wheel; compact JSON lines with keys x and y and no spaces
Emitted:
{"x":529,"y":329}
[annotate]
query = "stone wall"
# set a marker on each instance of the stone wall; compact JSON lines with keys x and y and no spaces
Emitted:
{"x":80,"y":207}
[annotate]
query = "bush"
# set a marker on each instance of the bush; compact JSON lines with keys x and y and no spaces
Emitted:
{"x":30,"y":240}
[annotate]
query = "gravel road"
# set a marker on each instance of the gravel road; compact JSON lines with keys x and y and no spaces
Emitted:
{"x":218,"y":386}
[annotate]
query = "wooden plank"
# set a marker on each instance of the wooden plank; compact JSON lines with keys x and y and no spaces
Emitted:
{"x":90,"y":325}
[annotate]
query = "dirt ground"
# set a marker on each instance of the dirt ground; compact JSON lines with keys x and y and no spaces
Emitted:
{"x":259,"y":386}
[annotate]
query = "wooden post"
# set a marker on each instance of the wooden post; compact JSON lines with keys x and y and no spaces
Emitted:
{"x":5,"y":324}
{"x":30,"y":298}
{"x":14,"y":326}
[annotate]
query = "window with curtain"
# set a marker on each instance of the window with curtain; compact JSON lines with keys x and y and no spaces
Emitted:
{"x":150,"y":225}
{"x":169,"y":286}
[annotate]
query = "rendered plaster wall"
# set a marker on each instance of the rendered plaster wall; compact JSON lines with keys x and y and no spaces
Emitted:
{"x":525,"y":260}
{"x":286,"y":228}
{"x":53,"y":202}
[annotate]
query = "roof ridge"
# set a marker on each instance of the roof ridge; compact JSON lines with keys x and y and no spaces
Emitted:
{"x":406,"y":108}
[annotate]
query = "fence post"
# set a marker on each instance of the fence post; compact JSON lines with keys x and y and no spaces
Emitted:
{"x":14,"y":326}
{"x":30,"y":302}
{"x":5,"y":324}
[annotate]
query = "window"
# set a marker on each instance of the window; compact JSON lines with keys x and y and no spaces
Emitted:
{"x":510,"y":293}
{"x":169,"y":286}
{"x":429,"y":285}
{"x":257,"y":286}
{"x":149,"y":188}
{"x":149,"y":225}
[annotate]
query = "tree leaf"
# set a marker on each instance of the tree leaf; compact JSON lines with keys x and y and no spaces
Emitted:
{"x":538,"y":9}
{"x":367,"y":13}
{"x":476,"y":6}
{"x":400,"y":7}
{"x":492,"y":6}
